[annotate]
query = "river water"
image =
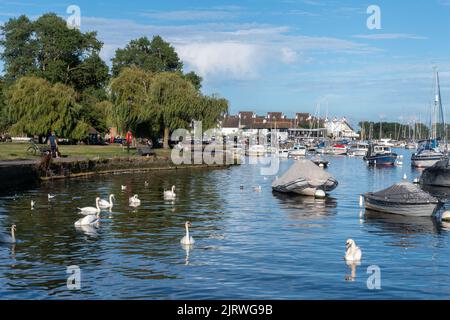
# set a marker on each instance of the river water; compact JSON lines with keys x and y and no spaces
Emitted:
{"x":249,"y":245}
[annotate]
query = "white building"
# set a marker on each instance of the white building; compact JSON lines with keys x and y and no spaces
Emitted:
{"x":340,"y":128}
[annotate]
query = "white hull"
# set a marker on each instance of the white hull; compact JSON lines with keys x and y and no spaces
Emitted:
{"x":423,"y":163}
{"x":297,"y":153}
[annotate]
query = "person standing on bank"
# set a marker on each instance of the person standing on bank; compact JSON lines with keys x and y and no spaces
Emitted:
{"x":52,"y":141}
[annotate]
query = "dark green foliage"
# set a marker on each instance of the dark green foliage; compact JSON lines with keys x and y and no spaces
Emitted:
{"x":155,"y":56}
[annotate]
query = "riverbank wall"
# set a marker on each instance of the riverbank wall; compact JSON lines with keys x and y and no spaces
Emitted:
{"x":16,"y":174}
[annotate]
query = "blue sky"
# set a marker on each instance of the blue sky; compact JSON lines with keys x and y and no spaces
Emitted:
{"x":290,"y":56}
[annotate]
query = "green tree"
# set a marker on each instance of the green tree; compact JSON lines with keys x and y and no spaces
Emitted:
{"x":3,"y":117}
{"x":19,"y":48}
{"x":174,"y":102}
{"x":195,"y":79}
{"x":130,"y":97}
{"x":156,"y":55}
{"x":34,"y":106}
{"x":47,"y":48}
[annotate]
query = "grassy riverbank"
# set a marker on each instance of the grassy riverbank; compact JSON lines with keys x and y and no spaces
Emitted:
{"x":17,"y":151}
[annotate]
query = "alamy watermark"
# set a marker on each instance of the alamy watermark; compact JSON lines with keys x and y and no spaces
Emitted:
{"x":74,"y":279}
{"x":191,"y":149}
{"x":74,"y":20}
{"x":374,"y":280}
{"x":374,"y":20}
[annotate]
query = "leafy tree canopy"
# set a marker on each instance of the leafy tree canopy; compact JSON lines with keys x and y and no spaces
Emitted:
{"x":156,"y":55}
{"x":35,"y":106}
{"x":47,"y":48}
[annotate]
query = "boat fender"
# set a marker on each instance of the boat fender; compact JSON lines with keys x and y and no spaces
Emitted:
{"x":445,"y":216}
{"x":320,"y":194}
{"x":361,"y":200}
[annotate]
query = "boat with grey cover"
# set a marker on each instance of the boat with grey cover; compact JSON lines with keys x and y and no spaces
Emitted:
{"x":437,"y":175}
{"x":402,"y":198}
{"x":304,"y":177}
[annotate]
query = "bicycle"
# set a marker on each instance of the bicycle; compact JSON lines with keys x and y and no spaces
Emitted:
{"x":35,"y":150}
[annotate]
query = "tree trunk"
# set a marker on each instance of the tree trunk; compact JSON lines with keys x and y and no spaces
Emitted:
{"x":166,"y":138}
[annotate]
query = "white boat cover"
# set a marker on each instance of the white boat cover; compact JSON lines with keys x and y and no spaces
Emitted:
{"x":304,"y":174}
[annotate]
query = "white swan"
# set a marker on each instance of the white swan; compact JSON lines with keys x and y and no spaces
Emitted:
{"x":105,"y":204}
{"x":91,"y":210}
{"x":51,"y":196}
{"x":134,"y":201}
{"x":5,"y":238}
{"x":187,"y":240}
{"x":32,"y":204}
{"x":123,"y":187}
{"x":352,"y":252}
{"x":170,"y":194}
{"x":88,"y":220}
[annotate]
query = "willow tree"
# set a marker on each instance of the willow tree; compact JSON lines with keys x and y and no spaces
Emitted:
{"x":174,"y":102}
{"x":131,"y":99}
{"x":34,"y":106}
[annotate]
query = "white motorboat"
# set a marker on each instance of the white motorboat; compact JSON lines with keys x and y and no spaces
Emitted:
{"x":297,"y":150}
{"x":359,"y":149}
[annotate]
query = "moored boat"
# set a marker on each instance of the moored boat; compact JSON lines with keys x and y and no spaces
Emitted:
{"x":437,"y":175}
{"x":403,"y":198}
{"x":305,"y":178}
{"x":427,"y":155}
{"x":359,"y":149}
{"x":380,"y":155}
{"x":337,"y":149}
{"x":297,"y":150}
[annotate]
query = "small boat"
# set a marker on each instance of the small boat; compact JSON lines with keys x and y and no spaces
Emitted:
{"x":359,"y":149}
{"x":410,"y":145}
{"x":297,"y":150}
{"x":256,"y":151}
{"x":305,"y":178}
{"x":437,"y":175}
{"x":337,"y":149}
{"x":380,"y":155}
{"x":403,"y":198}
{"x":427,"y":155}
{"x":283,"y":153}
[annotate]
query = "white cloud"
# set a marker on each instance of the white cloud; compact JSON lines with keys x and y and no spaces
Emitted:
{"x":288,"y":55}
{"x":224,"y":50}
{"x":230,"y":59}
{"x":389,"y":36}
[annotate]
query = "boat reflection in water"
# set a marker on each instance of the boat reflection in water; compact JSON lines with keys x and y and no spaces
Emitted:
{"x":407,"y":227}
{"x":304,"y":207}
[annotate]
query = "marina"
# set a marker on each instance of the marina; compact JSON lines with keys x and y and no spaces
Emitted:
{"x":278,"y":244}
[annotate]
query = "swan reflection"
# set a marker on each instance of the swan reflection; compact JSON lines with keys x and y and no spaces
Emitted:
{"x":89,"y":230}
{"x":352,"y":266}
{"x":187,"y":248}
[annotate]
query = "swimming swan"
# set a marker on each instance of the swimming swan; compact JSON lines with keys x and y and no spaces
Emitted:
{"x":88,"y":220}
{"x":170,"y":194}
{"x":91,"y":210}
{"x":352,"y":252}
{"x":188,"y":240}
{"x":51,"y":196}
{"x":5,"y":238}
{"x":134,"y":201}
{"x":105,"y":204}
